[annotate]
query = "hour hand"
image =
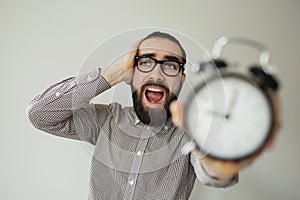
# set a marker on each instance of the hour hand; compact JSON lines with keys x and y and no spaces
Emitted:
{"x":218,"y":114}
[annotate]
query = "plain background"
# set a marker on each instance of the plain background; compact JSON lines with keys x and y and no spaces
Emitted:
{"x":42,"y":42}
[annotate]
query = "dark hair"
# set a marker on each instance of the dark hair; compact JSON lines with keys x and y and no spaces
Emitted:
{"x":167,"y":36}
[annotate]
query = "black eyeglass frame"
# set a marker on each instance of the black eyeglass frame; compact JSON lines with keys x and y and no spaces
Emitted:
{"x":160,"y":62}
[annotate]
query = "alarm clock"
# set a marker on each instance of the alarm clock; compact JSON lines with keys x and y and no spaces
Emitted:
{"x":230,"y":115}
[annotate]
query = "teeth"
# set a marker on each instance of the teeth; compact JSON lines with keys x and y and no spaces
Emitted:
{"x":154,"y":90}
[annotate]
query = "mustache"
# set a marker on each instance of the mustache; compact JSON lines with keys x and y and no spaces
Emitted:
{"x":155,"y":83}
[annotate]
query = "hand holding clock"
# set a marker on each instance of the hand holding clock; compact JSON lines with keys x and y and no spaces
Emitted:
{"x":223,"y":169}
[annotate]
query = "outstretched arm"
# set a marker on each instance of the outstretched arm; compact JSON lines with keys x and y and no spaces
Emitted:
{"x":224,"y":173}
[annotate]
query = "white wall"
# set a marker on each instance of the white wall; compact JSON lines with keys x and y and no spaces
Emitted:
{"x":42,"y":42}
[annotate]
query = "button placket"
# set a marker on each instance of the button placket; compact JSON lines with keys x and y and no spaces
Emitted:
{"x":136,"y":164}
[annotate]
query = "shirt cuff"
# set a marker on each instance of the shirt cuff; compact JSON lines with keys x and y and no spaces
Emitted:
{"x":91,"y":84}
{"x":91,"y":77}
{"x":206,"y":179}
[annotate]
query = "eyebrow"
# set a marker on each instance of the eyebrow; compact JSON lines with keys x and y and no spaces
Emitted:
{"x":148,"y":55}
{"x":167,"y":57}
{"x":173,"y":58}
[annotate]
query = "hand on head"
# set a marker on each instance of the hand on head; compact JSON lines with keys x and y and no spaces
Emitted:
{"x":122,"y":68}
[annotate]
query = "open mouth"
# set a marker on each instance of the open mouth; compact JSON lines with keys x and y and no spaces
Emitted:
{"x":154,"y":94}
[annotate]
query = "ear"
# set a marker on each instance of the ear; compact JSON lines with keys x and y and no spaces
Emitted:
{"x":183,"y":78}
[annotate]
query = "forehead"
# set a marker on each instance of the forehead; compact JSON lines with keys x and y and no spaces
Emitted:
{"x":159,"y":46}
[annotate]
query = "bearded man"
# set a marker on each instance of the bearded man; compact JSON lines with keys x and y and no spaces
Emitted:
{"x":137,"y":151}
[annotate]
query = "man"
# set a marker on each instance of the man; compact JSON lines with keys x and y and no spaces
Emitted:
{"x":137,"y":150}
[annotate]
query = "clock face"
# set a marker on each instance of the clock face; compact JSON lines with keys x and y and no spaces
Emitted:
{"x":229,"y":118}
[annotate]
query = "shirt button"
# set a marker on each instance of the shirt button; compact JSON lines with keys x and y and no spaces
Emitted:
{"x":57,"y":94}
{"x":131,"y":182}
{"x":139,"y":153}
{"x":89,"y":78}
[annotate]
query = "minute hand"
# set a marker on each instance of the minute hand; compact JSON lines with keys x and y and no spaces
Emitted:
{"x":232,"y":103}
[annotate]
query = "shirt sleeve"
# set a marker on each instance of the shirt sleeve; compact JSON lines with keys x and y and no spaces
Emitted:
{"x":64,"y":109}
{"x":206,"y":179}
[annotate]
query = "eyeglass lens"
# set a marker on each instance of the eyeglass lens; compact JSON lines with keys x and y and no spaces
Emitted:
{"x":147,"y":64}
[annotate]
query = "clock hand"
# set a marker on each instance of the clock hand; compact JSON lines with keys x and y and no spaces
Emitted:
{"x":218,"y":114}
{"x":232,"y":103}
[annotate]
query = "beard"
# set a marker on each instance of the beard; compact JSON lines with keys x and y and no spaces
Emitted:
{"x":153,"y":116}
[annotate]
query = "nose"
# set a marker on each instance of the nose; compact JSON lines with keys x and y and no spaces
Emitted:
{"x":156,"y":73}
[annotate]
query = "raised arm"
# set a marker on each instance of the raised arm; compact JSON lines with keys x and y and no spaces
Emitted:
{"x":64,"y":109}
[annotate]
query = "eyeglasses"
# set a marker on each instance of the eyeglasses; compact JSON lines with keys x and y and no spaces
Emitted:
{"x":169,"y":67}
